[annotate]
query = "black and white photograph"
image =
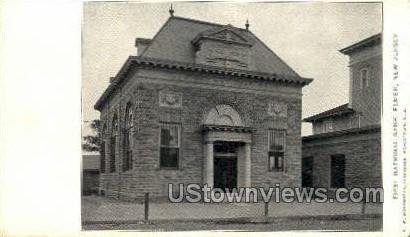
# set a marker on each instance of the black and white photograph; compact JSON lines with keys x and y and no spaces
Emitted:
{"x":229,"y":116}
{"x":204,"y":118}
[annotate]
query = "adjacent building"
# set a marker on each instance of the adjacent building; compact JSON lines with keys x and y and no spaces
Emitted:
{"x":345,"y":148}
{"x":91,"y":174}
{"x":200,"y":103}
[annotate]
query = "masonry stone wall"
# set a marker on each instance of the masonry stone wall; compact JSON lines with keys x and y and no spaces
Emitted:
{"x":362,"y":156}
{"x":367,"y":100}
{"x":200,"y":93}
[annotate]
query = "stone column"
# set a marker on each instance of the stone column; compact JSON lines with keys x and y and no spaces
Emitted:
{"x":209,"y":164}
{"x":247,"y":178}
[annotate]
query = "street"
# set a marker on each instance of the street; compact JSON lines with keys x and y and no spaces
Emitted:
{"x":371,"y":224}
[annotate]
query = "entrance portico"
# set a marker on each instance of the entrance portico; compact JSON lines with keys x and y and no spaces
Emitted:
{"x":239,"y":138}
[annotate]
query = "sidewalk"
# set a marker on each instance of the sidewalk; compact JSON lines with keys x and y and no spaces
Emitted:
{"x":95,"y":209}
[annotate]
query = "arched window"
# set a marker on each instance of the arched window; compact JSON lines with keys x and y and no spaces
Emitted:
{"x":102,"y":149}
{"x":113,"y":142}
{"x":104,"y":131}
{"x":114,"y":125}
{"x":127,"y":158}
{"x":128,"y":116}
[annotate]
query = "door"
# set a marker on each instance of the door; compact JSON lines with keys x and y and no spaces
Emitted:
{"x":307,"y":172}
{"x":337,"y":171}
{"x":225,"y":172}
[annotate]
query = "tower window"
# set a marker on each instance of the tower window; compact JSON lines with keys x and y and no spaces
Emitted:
{"x":364,"y":78}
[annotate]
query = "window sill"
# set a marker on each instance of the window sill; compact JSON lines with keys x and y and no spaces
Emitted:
{"x":276,"y":170}
{"x":127,"y":171}
{"x":168,"y":169}
{"x":333,"y":189}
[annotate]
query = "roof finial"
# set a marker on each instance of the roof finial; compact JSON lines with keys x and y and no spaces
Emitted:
{"x":247,"y":24}
{"x":171,"y":11}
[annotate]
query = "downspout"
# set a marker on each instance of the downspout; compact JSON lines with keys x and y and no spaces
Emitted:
{"x":120,"y":148}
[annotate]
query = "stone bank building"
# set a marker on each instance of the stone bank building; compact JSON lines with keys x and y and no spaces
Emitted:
{"x":200,"y":103}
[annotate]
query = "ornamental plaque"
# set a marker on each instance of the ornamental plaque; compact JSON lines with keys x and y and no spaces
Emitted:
{"x":170,"y":99}
{"x":278,"y":109}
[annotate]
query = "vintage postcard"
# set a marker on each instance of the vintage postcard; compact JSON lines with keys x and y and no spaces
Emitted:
{"x":232,"y":116}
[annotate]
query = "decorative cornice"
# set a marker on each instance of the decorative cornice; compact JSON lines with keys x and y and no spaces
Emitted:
{"x":337,"y":111}
{"x":224,"y":128}
{"x":196,"y":41}
{"x":210,"y":35}
{"x":135,"y":61}
{"x":368,"y":42}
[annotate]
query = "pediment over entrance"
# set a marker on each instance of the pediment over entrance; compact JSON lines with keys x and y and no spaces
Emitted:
{"x":223,"y":123}
{"x":223,"y":115}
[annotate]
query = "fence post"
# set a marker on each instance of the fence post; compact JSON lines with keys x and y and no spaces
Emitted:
{"x":266,"y":209}
{"x":363,"y":211}
{"x":146,"y":205}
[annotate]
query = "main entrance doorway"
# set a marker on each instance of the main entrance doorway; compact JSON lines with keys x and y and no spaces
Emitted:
{"x":225,"y":172}
{"x":225,"y":165}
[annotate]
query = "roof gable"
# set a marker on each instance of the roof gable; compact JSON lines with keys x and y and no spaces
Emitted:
{"x":227,"y":33}
{"x":174,"y":42}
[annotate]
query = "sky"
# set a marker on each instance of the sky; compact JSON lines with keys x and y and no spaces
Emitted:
{"x":306,"y":35}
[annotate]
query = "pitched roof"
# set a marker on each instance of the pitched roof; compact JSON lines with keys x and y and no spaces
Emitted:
{"x":172,"y":48}
{"x":337,"y":111}
{"x":368,"y":42}
{"x":91,"y":162}
{"x":173,"y":42}
{"x":138,"y":61}
{"x":351,"y":131}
